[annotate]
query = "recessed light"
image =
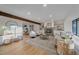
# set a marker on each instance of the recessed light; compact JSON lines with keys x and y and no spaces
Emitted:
{"x":50,"y":16}
{"x":39,"y":18}
{"x":44,"y":5}
{"x":28,"y":13}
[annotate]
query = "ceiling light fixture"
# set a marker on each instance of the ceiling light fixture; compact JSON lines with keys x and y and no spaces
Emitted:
{"x":39,"y":18}
{"x":28,"y":13}
{"x":44,"y":5}
{"x":50,"y":16}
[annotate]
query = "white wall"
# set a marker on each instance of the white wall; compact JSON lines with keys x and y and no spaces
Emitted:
{"x":68,"y":25}
{"x":36,"y":28}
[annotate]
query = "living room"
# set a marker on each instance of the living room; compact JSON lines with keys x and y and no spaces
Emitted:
{"x":43,"y":29}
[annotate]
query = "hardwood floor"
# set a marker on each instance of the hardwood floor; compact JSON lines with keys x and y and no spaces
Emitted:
{"x":21,"y":48}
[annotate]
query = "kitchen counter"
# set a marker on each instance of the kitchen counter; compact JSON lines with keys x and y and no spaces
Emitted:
{"x":5,"y":39}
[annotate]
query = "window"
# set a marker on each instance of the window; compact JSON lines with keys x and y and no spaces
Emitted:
{"x":75,"y":27}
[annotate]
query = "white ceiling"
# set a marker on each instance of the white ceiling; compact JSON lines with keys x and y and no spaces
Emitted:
{"x":40,"y":13}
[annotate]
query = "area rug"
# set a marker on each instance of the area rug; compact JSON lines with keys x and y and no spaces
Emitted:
{"x":47,"y":45}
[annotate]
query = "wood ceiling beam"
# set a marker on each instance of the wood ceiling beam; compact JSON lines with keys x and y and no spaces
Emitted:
{"x":17,"y":17}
